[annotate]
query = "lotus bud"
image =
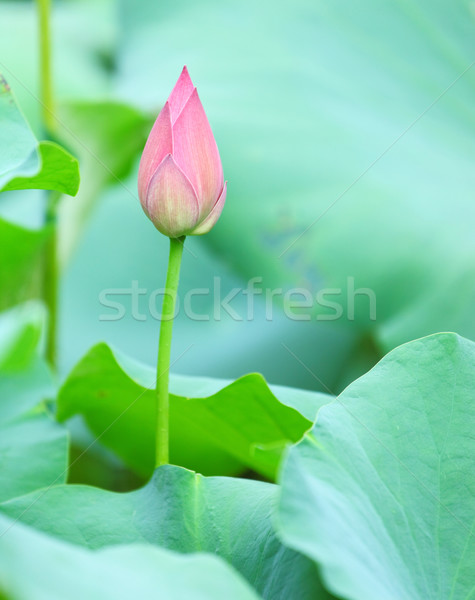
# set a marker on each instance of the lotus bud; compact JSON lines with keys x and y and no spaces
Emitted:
{"x":180,"y":182}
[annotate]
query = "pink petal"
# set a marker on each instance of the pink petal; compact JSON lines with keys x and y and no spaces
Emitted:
{"x":210,"y":221}
{"x":195,"y":151}
{"x":159,"y":144}
{"x":180,"y":94}
{"x":171,"y":201}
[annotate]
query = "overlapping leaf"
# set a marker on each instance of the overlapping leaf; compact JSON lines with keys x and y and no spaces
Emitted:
{"x":30,"y":561}
{"x":58,"y":170}
{"x":381,"y":492}
{"x":181,"y":511}
{"x":215,"y":426}
{"x":24,"y":162}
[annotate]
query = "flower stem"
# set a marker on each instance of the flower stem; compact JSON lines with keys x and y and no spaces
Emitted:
{"x":44,"y":9}
{"x":164,"y":350}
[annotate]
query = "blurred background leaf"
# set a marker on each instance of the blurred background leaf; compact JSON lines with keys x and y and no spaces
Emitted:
{"x":303,"y":100}
{"x":33,"y":447}
{"x":20,"y":334}
{"x":121,"y":250}
{"x":26,"y":163}
{"x":59,"y":171}
{"x":107,"y":136}
{"x":18,"y":149}
{"x":83,"y":34}
{"x":20,"y":261}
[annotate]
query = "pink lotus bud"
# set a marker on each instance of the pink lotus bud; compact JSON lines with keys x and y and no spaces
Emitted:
{"x":180,"y":182}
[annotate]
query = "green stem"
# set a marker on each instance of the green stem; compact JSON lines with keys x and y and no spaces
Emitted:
{"x":44,"y":9}
{"x":164,"y":350}
{"x":50,"y":264}
{"x":50,"y":278}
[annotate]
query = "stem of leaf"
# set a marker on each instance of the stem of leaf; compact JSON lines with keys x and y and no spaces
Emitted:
{"x":164,"y":351}
{"x":50,"y":259}
{"x":50,"y":277}
{"x":44,"y":12}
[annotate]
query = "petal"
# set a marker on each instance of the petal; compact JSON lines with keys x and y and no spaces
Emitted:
{"x":180,"y":94}
{"x":171,"y":202}
{"x":159,"y":144}
{"x":196,"y":153}
{"x":210,"y":221}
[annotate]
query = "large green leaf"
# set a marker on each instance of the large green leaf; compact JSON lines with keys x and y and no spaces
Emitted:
{"x":33,"y":447}
{"x":381,"y":492}
{"x":36,"y":567}
{"x":215,"y":426}
{"x":24,"y":162}
{"x":181,"y":511}
{"x":312,"y":108}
